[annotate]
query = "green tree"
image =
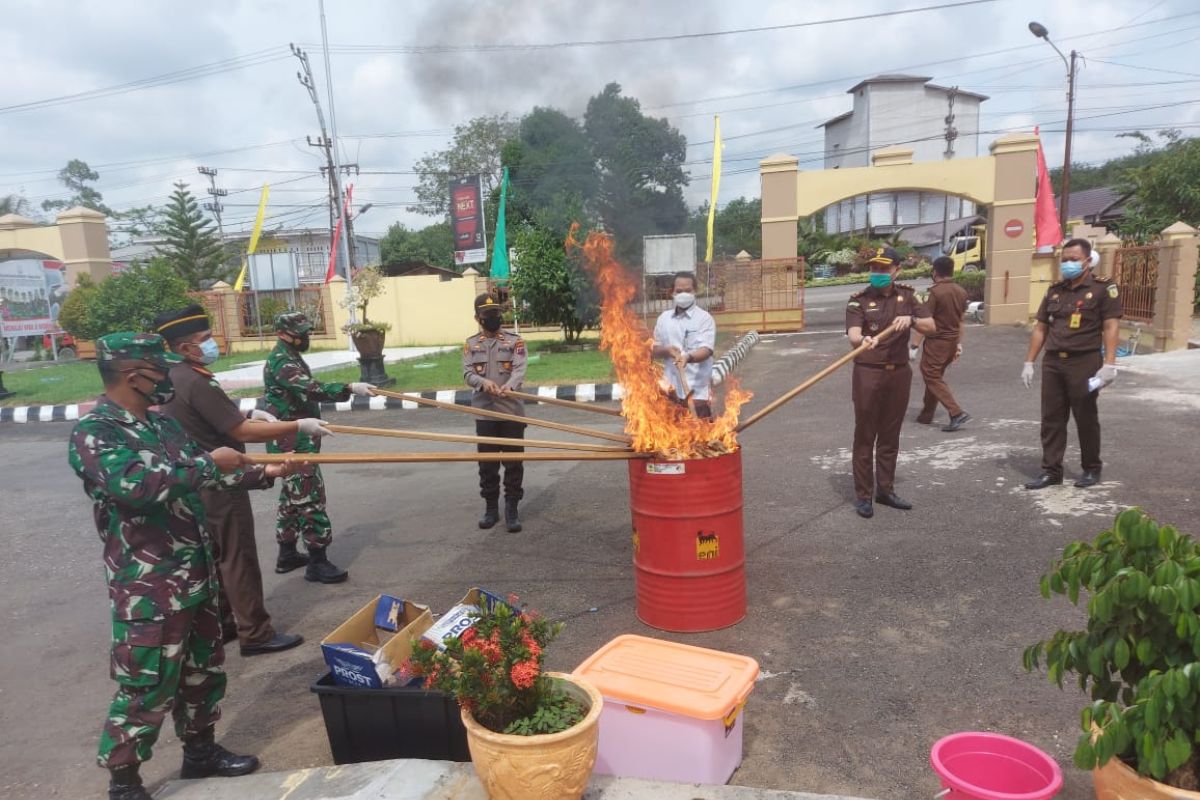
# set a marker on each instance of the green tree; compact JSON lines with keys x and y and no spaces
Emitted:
{"x":737,"y":227}
{"x":552,"y":174}
{"x":550,"y":287}
{"x":77,"y":176}
{"x":192,"y":247}
{"x":433,"y":244}
{"x":127,"y":301}
{"x":1163,"y":191}
{"x":13,"y":204}
{"x":474,"y":149}
{"x":641,"y":170}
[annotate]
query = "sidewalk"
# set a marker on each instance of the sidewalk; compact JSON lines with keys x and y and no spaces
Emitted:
{"x":249,"y":375}
{"x":413,"y":779}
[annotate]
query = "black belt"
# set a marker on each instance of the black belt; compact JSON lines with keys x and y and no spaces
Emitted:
{"x":888,"y":367}
{"x":1072,"y":353}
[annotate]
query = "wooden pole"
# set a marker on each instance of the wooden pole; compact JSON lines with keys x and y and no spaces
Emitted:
{"x":575,"y":404}
{"x":465,"y":439}
{"x":482,"y":412}
{"x":433,"y":458}
{"x":815,"y":379}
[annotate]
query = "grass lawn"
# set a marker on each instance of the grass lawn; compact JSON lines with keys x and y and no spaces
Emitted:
{"x":53,"y":384}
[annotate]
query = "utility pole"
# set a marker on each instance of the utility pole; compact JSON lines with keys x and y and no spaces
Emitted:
{"x":215,"y":206}
{"x":951,"y":135}
{"x":1039,"y":30}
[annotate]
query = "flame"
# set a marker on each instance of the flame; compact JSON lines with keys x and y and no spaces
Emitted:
{"x":653,"y":420}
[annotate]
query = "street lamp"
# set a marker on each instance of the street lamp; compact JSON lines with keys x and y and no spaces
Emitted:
{"x":1039,"y":30}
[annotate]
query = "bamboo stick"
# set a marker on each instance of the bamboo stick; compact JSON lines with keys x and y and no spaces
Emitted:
{"x":575,"y":404}
{"x":815,"y":379}
{"x":465,"y":439}
{"x":482,"y":412}
{"x":430,"y":458}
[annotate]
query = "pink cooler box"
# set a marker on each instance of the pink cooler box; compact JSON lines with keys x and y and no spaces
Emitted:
{"x":672,"y":712}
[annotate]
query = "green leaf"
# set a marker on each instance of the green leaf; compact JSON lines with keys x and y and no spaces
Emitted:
{"x":1085,"y":719}
{"x":1044,"y":586}
{"x":1121,"y":654}
{"x":1085,"y":754}
{"x":1145,"y":651}
{"x":1096,"y":662}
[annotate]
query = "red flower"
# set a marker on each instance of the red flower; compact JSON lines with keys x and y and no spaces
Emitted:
{"x":535,"y":649}
{"x":468,"y":636}
{"x":513,"y":600}
{"x":524,"y":674}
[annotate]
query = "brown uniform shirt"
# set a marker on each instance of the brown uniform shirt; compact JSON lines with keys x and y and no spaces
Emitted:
{"x":201,"y":406}
{"x":498,"y":357}
{"x":873,"y":311}
{"x":947,"y":303}
{"x":1075,"y":317}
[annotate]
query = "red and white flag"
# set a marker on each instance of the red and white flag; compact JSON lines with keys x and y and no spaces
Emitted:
{"x":1045,"y":216}
{"x":337,"y":235}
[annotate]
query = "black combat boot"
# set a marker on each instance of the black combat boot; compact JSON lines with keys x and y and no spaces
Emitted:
{"x":511,"y":520}
{"x":124,"y":783}
{"x":289,"y":559}
{"x":203,"y":758}
{"x":491,"y":514}
{"x":320,"y":570}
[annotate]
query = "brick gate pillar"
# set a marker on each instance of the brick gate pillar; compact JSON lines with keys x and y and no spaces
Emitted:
{"x":779,"y":202}
{"x":1010,"y":233}
{"x":1174,"y":295}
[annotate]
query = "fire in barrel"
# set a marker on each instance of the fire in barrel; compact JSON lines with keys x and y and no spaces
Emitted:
{"x":686,"y":501}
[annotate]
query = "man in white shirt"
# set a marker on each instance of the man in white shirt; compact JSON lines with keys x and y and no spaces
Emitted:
{"x":684,"y":338}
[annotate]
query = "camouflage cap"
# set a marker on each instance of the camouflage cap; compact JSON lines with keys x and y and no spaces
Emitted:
{"x":294,"y":323}
{"x":130,"y":346}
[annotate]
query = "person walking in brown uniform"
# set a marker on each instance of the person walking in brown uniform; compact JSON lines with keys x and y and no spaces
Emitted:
{"x":212,"y":419}
{"x":493,"y":363}
{"x":947,"y":303}
{"x":1077,"y":315}
{"x":882,"y":378}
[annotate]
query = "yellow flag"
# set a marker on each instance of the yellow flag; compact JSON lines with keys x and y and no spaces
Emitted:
{"x":716,"y":185}
{"x":254,"y":234}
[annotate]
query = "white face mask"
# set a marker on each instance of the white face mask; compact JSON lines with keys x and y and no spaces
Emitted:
{"x":684,"y":299}
{"x":210,"y":351}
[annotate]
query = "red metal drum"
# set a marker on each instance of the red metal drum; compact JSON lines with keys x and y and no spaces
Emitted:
{"x":688,"y":552}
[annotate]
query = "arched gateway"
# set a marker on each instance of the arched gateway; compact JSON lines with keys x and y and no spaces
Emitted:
{"x":1004,"y":181}
{"x":78,"y":238}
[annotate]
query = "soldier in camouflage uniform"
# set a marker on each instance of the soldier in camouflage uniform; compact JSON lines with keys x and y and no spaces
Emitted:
{"x":292,"y":394}
{"x":143,"y":475}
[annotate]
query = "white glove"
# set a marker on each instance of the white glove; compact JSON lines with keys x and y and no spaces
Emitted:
{"x":262,"y":416}
{"x":1106,"y":374}
{"x":313,"y":427}
{"x":913,"y":351}
{"x":362,"y":389}
{"x":1027,"y":374}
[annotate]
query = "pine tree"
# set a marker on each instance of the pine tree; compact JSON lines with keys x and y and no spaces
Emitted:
{"x":192,"y":247}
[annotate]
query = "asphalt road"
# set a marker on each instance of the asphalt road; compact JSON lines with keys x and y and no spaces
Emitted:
{"x":875,"y":637}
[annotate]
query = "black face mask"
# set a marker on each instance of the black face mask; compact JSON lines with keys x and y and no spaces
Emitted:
{"x":301,"y":343}
{"x":490,"y":323}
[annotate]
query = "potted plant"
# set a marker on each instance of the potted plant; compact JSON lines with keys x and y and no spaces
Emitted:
{"x":365,"y":284}
{"x":1138,"y":657}
{"x":532,"y":734}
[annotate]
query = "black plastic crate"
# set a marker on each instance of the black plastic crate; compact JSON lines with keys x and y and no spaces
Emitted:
{"x":378,"y":724}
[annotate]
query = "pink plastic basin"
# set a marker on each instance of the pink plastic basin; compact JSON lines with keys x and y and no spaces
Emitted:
{"x":989,"y":766}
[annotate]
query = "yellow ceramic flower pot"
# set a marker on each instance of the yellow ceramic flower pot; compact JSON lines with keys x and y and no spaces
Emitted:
{"x":553,"y":766}
{"x":1117,"y":781}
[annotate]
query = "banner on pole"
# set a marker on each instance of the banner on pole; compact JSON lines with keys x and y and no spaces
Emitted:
{"x":466,"y":220}
{"x":31,"y":293}
{"x":254,"y":234}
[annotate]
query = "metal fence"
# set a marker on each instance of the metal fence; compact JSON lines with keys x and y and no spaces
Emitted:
{"x":741,"y":295}
{"x":1136,"y":273}
{"x":216,"y":313}
{"x":257,"y":310}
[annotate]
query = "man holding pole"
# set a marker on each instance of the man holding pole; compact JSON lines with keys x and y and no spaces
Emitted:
{"x":879,"y":319}
{"x":684,"y":338}
{"x":493,"y":364}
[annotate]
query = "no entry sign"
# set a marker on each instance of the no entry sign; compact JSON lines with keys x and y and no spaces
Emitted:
{"x":1014,"y":228}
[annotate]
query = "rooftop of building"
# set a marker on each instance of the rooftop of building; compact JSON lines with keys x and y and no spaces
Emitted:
{"x":901,"y":78}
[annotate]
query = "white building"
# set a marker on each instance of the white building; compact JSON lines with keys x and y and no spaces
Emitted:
{"x":900,"y":111}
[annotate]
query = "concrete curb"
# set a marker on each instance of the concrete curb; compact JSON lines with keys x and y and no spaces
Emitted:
{"x":583,"y":393}
{"x":727,"y":363}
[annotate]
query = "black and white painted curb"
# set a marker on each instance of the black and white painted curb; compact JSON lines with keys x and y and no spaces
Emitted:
{"x":583,"y":393}
{"x":727,"y":363}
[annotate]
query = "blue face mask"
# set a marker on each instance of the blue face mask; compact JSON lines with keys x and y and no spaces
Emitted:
{"x":209,"y":351}
{"x":1070,"y":269}
{"x":881,"y":280}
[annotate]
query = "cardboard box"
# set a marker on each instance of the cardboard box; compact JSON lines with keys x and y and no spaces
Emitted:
{"x":380,"y":632}
{"x":455,"y":622}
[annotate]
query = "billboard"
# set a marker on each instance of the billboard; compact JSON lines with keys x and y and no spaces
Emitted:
{"x":666,"y":255}
{"x":31,"y":293}
{"x":466,"y":220}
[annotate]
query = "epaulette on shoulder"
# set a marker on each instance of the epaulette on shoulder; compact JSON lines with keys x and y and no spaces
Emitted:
{"x":859,"y":293}
{"x":1099,"y":279}
{"x":905,"y":286}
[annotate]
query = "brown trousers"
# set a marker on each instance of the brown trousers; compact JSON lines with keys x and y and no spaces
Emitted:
{"x":936,"y":357}
{"x":880,"y":397}
{"x":1065,"y":394}
{"x":231,"y":520}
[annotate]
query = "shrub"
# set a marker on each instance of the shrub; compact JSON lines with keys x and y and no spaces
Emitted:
{"x":128,"y":301}
{"x":972,"y":282}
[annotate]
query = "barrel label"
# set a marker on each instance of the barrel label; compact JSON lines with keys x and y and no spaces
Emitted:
{"x":659,"y":468}
{"x":708,"y":546}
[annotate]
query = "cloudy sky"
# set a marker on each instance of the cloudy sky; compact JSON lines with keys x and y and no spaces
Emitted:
{"x":147,"y":91}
